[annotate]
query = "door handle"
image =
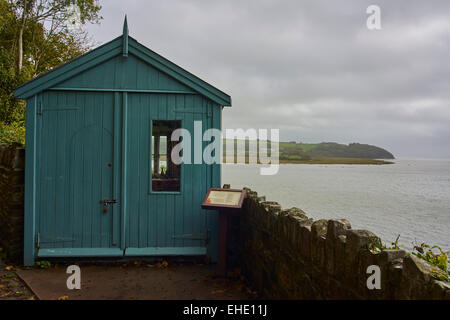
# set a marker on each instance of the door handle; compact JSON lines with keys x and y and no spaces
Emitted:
{"x":108,"y":202}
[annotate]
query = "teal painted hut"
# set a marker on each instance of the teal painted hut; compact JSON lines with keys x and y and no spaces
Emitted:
{"x":99,"y":180}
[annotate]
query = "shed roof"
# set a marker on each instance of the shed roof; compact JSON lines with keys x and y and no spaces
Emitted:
{"x":122,"y":45}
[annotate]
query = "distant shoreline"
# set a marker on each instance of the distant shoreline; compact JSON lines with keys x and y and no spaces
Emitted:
{"x":355,"y":161}
{"x":338,"y":161}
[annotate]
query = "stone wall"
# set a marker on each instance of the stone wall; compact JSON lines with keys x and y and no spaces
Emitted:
{"x":12,"y":185}
{"x":286,"y":255}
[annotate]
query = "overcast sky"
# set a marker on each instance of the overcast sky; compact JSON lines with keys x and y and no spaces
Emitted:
{"x":310,"y":68}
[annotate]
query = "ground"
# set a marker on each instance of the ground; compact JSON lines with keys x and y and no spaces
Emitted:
{"x":135,"y":280}
{"x":11,"y":286}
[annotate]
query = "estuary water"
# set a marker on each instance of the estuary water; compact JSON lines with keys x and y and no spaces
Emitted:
{"x":410,"y":198}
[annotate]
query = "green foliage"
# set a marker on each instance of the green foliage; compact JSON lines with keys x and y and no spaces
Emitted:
{"x":438,"y":258}
{"x":378,"y":246}
{"x":11,"y":109}
{"x":44,"y":48}
{"x":14,"y":132}
{"x":43,"y":264}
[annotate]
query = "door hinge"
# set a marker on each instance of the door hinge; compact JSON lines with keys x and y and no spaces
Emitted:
{"x":39,"y":110}
{"x":37,"y":241}
{"x":190,"y":236}
{"x":208,"y":112}
{"x":193,"y":236}
{"x":53,"y":239}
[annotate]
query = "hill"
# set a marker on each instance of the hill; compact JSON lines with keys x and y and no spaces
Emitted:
{"x":294,"y":152}
{"x":303,"y":151}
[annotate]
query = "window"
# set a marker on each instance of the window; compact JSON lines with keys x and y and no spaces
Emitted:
{"x":165,"y":174}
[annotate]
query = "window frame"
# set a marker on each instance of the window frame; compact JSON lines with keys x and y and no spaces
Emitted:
{"x":150,"y":180}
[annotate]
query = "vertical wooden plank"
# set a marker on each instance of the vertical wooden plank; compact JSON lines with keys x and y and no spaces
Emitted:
{"x":66,"y":211}
{"x":38,"y":133}
{"x":30,"y":181}
{"x":153,"y":78}
{"x":116,"y":170}
{"x":60,"y":155}
{"x":88,"y":171}
{"x":188,"y":175}
{"x":163,"y":82}
{"x":43,"y":163}
{"x":152,"y":205}
{"x":197,"y":221}
{"x":133,"y":173}
{"x":52,"y":167}
{"x":97,"y":151}
{"x":76,"y":176}
{"x":106,"y":185}
{"x":123,"y":203}
{"x":140,"y":75}
{"x":128,"y":79}
{"x":178,"y":205}
{"x":161,"y":198}
{"x":205,"y":168}
{"x":118,"y":73}
{"x":74,"y":123}
{"x":170,"y":198}
{"x":209,"y":121}
{"x":144,"y":163}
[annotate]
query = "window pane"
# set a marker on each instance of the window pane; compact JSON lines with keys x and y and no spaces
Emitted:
{"x":165,"y":174}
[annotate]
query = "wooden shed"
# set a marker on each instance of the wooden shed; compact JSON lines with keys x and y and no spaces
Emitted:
{"x":99,"y":180}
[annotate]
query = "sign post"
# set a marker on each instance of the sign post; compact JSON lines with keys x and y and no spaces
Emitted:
{"x":226,"y":201}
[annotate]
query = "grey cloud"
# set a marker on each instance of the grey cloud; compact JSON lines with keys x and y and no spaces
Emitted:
{"x":311,"y":68}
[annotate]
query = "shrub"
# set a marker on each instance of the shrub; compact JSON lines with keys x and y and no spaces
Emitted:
{"x":13,"y":132}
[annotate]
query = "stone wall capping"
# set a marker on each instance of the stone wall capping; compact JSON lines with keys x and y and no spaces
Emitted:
{"x":336,"y":228}
{"x":261,"y":199}
{"x":272,"y":206}
{"x":419,"y":270}
{"x":319,"y":228}
{"x":358,"y":239}
{"x":392,"y":256}
{"x":439,"y":289}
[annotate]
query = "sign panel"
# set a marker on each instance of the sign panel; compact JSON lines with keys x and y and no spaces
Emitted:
{"x":217,"y":198}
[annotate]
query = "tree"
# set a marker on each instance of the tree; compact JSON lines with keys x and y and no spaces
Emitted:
{"x":54,"y":12}
{"x":35,"y":38}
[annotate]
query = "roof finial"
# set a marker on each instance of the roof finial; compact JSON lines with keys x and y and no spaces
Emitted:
{"x":125,"y":26}
{"x":125,"y":37}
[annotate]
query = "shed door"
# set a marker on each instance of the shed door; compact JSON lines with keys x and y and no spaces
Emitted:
{"x":163,"y":208}
{"x":78,"y":215}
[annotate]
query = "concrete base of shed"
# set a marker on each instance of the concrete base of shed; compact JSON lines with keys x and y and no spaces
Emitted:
{"x":141,"y":281}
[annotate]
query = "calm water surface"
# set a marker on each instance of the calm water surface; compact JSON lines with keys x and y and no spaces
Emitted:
{"x":410,"y":197}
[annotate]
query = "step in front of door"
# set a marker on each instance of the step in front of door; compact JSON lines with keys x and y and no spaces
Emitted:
{"x":117,"y":252}
{"x":79,"y":252}
{"x":166,"y":251}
